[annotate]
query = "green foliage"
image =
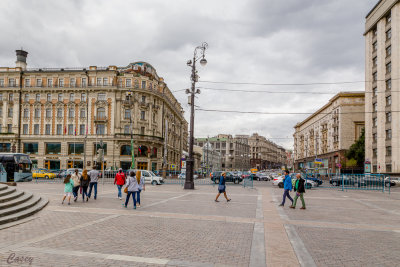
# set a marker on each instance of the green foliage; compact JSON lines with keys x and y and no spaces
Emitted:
{"x":357,"y":151}
{"x":351,"y":163}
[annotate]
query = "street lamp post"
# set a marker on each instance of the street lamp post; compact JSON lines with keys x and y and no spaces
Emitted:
{"x":189,"y":184}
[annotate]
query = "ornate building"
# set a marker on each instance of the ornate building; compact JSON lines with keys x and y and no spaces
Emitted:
{"x":62,"y":116}
{"x":265,"y":154}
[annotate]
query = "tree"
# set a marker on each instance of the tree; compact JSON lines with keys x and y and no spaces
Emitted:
{"x":357,"y":150}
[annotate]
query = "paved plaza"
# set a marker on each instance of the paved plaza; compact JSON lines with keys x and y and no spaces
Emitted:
{"x":176,"y":227}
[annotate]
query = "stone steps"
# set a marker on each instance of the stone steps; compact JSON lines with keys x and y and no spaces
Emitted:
{"x":17,"y":205}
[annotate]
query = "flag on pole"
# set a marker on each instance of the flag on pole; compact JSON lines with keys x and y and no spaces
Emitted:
{"x":65,"y":130}
{"x":75,"y":131}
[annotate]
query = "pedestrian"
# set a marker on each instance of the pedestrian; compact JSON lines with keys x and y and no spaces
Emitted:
{"x":84,"y":184}
{"x":69,"y":184}
{"x":76,"y":177}
{"x":94,"y":178}
{"x":222,"y":188}
{"x":120,"y":181}
{"x":287,"y":187}
{"x":140,"y":180}
{"x":133,"y":187}
{"x":300,"y":190}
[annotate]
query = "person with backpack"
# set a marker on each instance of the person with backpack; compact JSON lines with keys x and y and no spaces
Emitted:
{"x":287,"y":186}
{"x":94,"y":178}
{"x":69,"y":184}
{"x":76,"y":177}
{"x":84,"y":184}
{"x":132,"y":188}
{"x":222,"y":188}
{"x":140,"y":180}
{"x":120,"y":181}
{"x":300,"y":190}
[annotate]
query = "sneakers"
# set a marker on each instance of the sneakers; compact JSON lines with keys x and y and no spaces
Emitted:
{"x":281,"y":205}
{"x":303,"y":208}
{"x":123,"y":205}
{"x":120,"y":198}
{"x":216,"y":200}
{"x":228,"y":200}
{"x":87,"y":199}
{"x":75,"y":199}
{"x":62,"y":203}
{"x":138,"y":205}
{"x":69,"y":203}
{"x":134,"y":208}
{"x":292,"y":207}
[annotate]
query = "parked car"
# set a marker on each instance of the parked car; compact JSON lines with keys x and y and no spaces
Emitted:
{"x":182,"y":175}
{"x":278,"y":181}
{"x":230,"y":177}
{"x":42,"y":173}
{"x":392,"y":181}
{"x":245,"y":174}
{"x":150,"y":177}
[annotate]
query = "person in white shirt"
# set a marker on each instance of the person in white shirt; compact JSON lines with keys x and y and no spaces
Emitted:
{"x":94,"y":178}
{"x":140,"y":180}
{"x":133,"y":188}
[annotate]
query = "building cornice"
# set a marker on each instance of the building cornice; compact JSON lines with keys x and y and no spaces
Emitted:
{"x":378,"y":12}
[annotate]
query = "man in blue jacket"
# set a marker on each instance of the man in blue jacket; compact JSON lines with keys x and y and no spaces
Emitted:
{"x":287,"y":186}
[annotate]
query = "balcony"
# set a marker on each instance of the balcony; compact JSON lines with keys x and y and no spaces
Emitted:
{"x":100,"y":118}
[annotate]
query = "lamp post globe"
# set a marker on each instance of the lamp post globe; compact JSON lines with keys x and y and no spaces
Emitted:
{"x":203,"y":62}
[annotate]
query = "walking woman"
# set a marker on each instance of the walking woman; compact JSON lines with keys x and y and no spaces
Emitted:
{"x":84,"y":184}
{"x":69,"y":184}
{"x":133,"y":188}
{"x":222,"y":187}
{"x":120,"y":181}
{"x":76,"y":177}
{"x":300,"y":190}
{"x":140,"y":181}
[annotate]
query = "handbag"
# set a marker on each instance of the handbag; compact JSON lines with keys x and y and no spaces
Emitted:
{"x":221,"y":187}
{"x":126,"y":190}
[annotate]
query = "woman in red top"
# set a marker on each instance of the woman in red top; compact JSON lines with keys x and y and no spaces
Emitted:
{"x":120,"y":181}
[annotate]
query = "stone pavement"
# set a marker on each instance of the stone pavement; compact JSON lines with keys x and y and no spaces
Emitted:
{"x":175,"y":227}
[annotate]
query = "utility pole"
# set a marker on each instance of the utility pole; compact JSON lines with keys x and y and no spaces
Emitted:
{"x":208,"y":147}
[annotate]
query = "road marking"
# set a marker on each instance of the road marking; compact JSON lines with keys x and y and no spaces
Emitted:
{"x":377,"y":207}
{"x":166,"y":200}
{"x":302,"y":253}
{"x":257,"y":252}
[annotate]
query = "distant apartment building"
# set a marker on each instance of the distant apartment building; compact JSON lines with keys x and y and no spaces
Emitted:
{"x":329,"y":132}
{"x":382,"y":100}
{"x":264,"y":154}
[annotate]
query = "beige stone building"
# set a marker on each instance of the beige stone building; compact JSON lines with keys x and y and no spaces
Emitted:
{"x":382,"y":100}
{"x":265,"y":154}
{"x":329,"y":132}
{"x":59,"y":116}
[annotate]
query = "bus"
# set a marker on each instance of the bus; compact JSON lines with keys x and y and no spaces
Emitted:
{"x":18,"y":166}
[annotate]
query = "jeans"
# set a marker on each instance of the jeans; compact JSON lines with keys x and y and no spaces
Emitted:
{"x":133,"y":196}
{"x":95,"y":189}
{"x":301,"y":198}
{"x":75,"y":190}
{"x":84,"y":192}
{"x":138,"y":196}
{"x":286,"y":194}
{"x":119,"y":190}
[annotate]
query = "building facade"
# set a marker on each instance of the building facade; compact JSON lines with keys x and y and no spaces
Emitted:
{"x":61,"y":117}
{"x":265,"y":154}
{"x":329,"y":132}
{"x":211,"y":159}
{"x":382,"y":100}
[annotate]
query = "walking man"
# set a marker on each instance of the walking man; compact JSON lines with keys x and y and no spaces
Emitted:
{"x":300,"y":190}
{"x":287,"y":186}
{"x":120,"y":181}
{"x":94,"y":178}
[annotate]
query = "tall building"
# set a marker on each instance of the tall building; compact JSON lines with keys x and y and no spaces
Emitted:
{"x":382,"y":102}
{"x":61,"y":116}
{"x":329,"y":132}
{"x":265,"y":154}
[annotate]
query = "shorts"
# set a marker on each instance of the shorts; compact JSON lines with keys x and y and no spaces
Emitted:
{"x":221,"y":191}
{"x":67,"y":194}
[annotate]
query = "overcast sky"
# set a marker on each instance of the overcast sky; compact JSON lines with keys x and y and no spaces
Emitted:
{"x":253,"y":41}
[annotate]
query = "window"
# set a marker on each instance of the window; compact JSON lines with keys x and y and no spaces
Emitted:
{"x":76,"y":148}
{"x":389,"y":18}
{"x":9,"y":128}
{"x":70,"y":129}
{"x":101,"y":113}
{"x":375,"y":91}
{"x":25,"y":129}
{"x":83,"y":82}
{"x":27,"y":82}
{"x":127,"y":129}
{"x":389,"y":34}
{"x":26,"y":113}
{"x":59,"y":129}
{"x":374,"y":153}
{"x":142,"y":115}
{"x":389,"y":84}
{"x":71,"y":112}
{"x":143,"y":99}
{"x":72,"y":82}
{"x":388,"y":134}
{"x":60,"y":82}
{"x":388,"y":51}
{"x":83,"y":97}
{"x":36,"y":129}
{"x":1,"y":82}
{"x":82,"y":129}
{"x":11,"y":82}
{"x":375,"y":122}
{"x":388,"y":116}
{"x":375,"y":107}
{"x":10,"y":112}
{"x":136,"y":84}
{"x":39,"y":82}
{"x":105,"y":81}
{"x":388,"y":151}
{"x":60,"y":97}
{"x":71,"y":97}
{"x":142,"y":129}
{"x":31,"y":148}
{"x":101,"y":129}
{"x":375,"y":46}
{"x":53,"y":148}
{"x":101,"y":96}
{"x":37,"y":113}
{"x":143,"y":84}
{"x":128,"y":83}
{"x":126,"y":150}
{"x":48,"y":129}
{"x":37,"y":97}
{"x":1,"y":112}
{"x":59,"y":113}
{"x":98,"y":81}
{"x":154,"y":117}
{"x":127,"y":114}
{"x":97,"y":146}
{"x":375,"y":76}
{"x":49,"y":82}
{"x":375,"y":137}
{"x":389,"y":67}
{"x":375,"y":61}
{"x":388,"y":100}
{"x":48,"y":97}
{"x":83,"y":113}
{"x":1,"y":96}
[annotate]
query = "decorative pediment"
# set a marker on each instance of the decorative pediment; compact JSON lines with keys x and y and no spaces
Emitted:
{"x":101,"y":103}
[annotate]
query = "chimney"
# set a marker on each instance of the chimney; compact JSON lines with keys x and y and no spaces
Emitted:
{"x":21,"y":59}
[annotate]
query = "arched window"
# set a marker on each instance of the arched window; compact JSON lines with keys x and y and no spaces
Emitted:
{"x":126,"y":150}
{"x":154,"y":152}
{"x":142,"y":151}
{"x":101,"y":113}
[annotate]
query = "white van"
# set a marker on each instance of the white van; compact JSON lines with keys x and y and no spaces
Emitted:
{"x":150,"y":177}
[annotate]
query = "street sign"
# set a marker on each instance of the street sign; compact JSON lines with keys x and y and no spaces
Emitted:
{"x":367,"y":168}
